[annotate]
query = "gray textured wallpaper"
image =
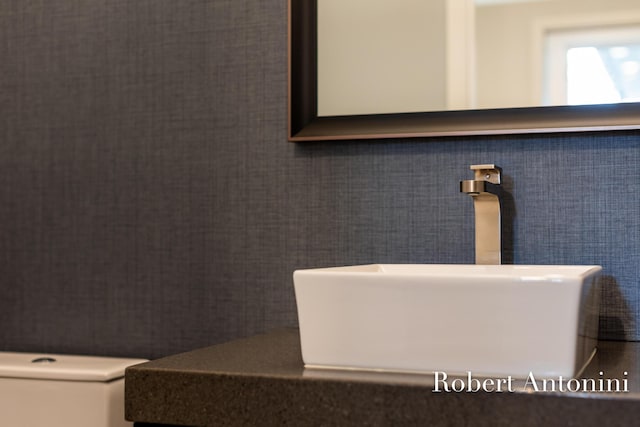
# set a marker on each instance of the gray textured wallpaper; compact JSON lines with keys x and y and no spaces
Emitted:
{"x":150,"y":203}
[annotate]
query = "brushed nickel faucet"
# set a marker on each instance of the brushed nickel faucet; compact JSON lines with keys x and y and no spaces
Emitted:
{"x":486,"y":191}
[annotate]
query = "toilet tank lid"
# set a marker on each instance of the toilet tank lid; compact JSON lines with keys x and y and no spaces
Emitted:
{"x":63,"y":367}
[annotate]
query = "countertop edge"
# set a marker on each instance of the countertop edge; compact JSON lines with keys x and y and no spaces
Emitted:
{"x":261,"y":381}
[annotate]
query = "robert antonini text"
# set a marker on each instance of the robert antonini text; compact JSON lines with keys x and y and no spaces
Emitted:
{"x":470,"y":384}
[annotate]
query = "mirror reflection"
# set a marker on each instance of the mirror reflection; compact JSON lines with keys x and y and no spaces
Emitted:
{"x":383,"y":56}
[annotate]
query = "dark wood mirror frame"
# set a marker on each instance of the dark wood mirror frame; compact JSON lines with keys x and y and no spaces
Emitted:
{"x":306,"y":125}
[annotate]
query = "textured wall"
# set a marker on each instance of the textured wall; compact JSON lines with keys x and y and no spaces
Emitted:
{"x":150,"y":204}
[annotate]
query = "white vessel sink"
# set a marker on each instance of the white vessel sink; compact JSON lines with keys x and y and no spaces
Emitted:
{"x":490,"y":320}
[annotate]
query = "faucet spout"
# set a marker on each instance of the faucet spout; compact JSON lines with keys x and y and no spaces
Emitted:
{"x":486,"y":192}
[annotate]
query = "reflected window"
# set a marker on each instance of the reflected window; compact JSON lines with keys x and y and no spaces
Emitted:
{"x":593,"y":66}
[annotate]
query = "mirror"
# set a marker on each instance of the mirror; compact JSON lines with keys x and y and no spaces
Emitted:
{"x":476,"y":96}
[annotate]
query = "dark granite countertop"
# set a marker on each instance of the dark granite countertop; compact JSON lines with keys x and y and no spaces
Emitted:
{"x":262,"y":381}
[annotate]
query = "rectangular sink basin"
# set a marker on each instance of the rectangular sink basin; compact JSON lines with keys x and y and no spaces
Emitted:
{"x":490,"y":320}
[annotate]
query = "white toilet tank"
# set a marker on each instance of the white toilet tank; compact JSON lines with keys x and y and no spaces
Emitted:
{"x":62,"y":391}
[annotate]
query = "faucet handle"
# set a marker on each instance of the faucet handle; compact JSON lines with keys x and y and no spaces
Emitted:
{"x":491,"y":173}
